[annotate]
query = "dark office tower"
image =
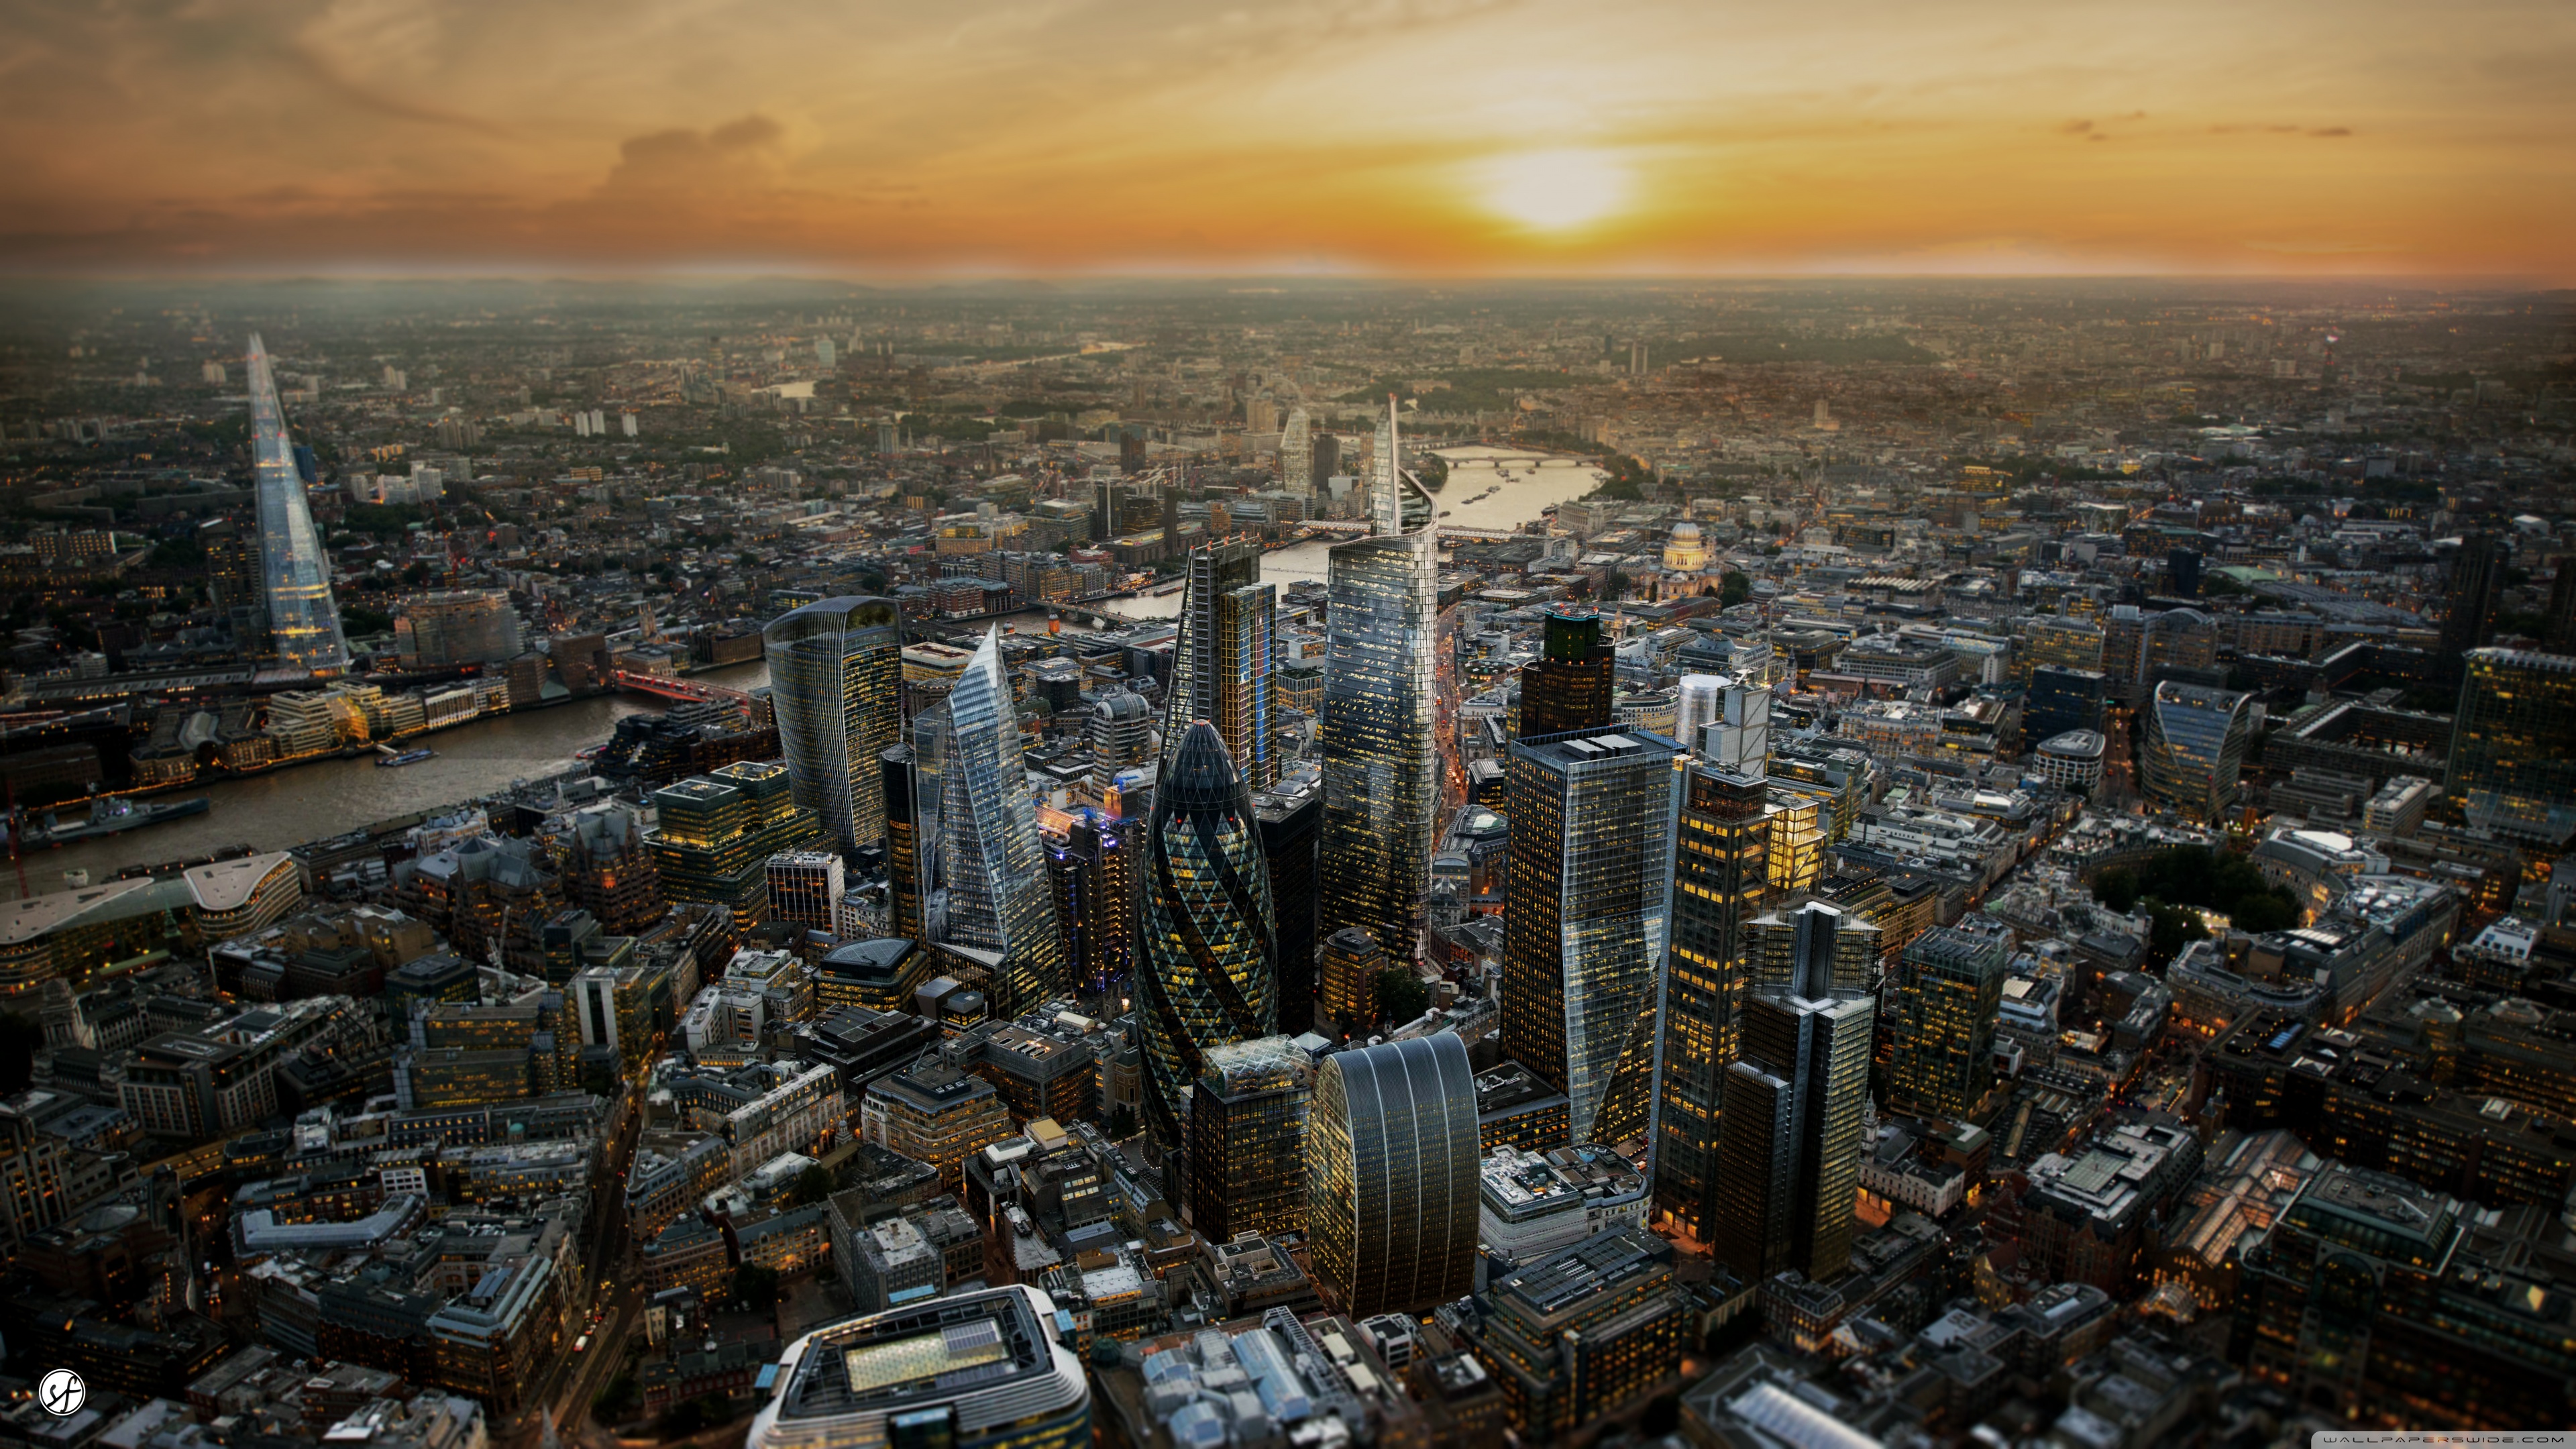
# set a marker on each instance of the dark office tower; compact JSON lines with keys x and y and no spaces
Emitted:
{"x":903,"y":843}
{"x":1586,"y":906}
{"x":1942,"y":1003}
{"x":2182,"y":572}
{"x":1381,"y":781}
{"x":999,"y":897}
{"x":232,"y":563}
{"x":608,"y":872}
{"x":2561,"y":632}
{"x":1095,"y":897}
{"x":1171,"y":512}
{"x":295,"y":574}
{"x":2062,"y":698}
{"x":1108,"y":510}
{"x":1568,"y":686}
{"x":1292,"y":823}
{"x":1788,"y":1161}
{"x":1391,"y":1176}
{"x":1347,"y":965}
{"x":1211,"y":965}
{"x":1221,"y":661}
{"x":1720,"y":865}
{"x":2477,"y":582}
{"x":1328,"y":459}
{"x":835,"y":681}
{"x":2513,"y":746}
{"x":1247,"y":1157}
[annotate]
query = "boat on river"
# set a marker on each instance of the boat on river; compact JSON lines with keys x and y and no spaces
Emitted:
{"x":392,"y":761}
{"x":112,"y":815}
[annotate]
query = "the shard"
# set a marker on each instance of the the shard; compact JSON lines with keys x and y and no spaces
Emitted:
{"x":303,"y":622}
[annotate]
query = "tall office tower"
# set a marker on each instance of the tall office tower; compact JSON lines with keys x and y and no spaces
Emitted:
{"x":2062,"y":698}
{"x":1328,"y":460}
{"x":1797,"y":855}
{"x":1568,"y":686}
{"x":805,"y":888}
{"x":1391,"y":1180}
{"x":1586,"y":911}
{"x":1789,"y":1139}
{"x":982,"y":1369}
{"x":903,"y":844}
{"x":1221,"y":661}
{"x":714,"y":835}
{"x":1776,"y":953}
{"x":1346,"y":970}
{"x":2194,"y":748}
{"x":1292,"y":823}
{"x":608,"y":872}
{"x":2559,"y":635}
{"x":1095,"y":869}
{"x":999,"y":898}
{"x":2513,"y":745}
{"x":1120,"y":731}
{"x":1737,"y":737}
{"x":1719,"y":879}
{"x":303,"y":620}
{"x":1297,"y":455}
{"x":1247,"y":1135}
{"x":2477,"y":583}
{"x":835,"y":680}
{"x":1697,"y":703}
{"x":1211,"y":967}
{"x":232,"y":563}
{"x":1381,"y":781}
{"x":456,"y":626}
{"x":1942,"y":1003}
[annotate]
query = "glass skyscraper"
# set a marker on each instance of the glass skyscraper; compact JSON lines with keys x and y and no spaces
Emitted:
{"x":1568,"y":686}
{"x":1586,"y":908}
{"x":303,"y":621}
{"x":1211,"y":966}
{"x":1248,"y":1140}
{"x":2513,"y":745}
{"x":1942,"y":1005}
{"x":1297,"y":454}
{"x":1719,"y":877}
{"x":999,"y":896}
{"x":1221,"y":661}
{"x":2194,"y":748}
{"x":1789,"y":1142}
{"x":835,"y":680}
{"x":1381,"y":780}
{"x":1391,"y":1176}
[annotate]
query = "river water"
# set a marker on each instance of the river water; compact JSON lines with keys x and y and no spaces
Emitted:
{"x":325,"y":798}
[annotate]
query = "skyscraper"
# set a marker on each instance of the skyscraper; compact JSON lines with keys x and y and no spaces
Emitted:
{"x":1381,"y":783}
{"x":999,"y":898}
{"x":835,"y":679}
{"x":1719,"y":878}
{"x":303,"y":620}
{"x":1095,"y":867}
{"x":714,"y":835}
{"x":1247,"y":1138}
{"x":1568,"y":686}
{"x":1788,"y":1163}
{"x":1292,"y":820}
{"x":2512,"y":767}
{"x":2477,"y":583}
{"x":1942,"y":1003}
{"x":1586,"y":908}
{"x":1221,"y":661}
{"x":2194,"y":748}
{"x":1391,"y":1183}
{"x":903,"y":844}
{"x":1297,"y":454}
{"x":1120,"y":731}
{"x":1210,"y":963}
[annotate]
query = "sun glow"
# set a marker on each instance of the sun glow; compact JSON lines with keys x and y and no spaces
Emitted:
{"x":1555,"y":190}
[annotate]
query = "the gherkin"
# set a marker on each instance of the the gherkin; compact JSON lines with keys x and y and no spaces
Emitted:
{"x":1210,"y":957}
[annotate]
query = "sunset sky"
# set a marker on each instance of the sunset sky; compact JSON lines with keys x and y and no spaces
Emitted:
{"x":1410,"y":137}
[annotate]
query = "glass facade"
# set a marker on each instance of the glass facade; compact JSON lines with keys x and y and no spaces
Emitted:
{"x":1942,"y":1004}
{"x":1391,"y":1180}
{"x":1790,"y":1137}
{"x":835,"y":681}
{"x":1568,"y":686}
{"x":715,"y":834}
{"x":2062,"y":699}
{"x":2513,"y":744}
{"x":2194,"y":748}
{"x":1381,"y":784}
{"x":1248,"y":1140}
{"x":972,"y":1370}
{"x":999,"y":897}
{"x":1719,"y":876}
{"x":1586,"y":909}
{"x":1210,"y":959}
{"x":303,"y":620}
{"x":1221,"y":661}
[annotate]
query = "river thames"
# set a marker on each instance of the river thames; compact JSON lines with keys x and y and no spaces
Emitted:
{"x":325,"y":798}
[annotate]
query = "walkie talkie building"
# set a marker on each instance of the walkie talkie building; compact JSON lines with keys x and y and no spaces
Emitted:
{"x":303,"y":621}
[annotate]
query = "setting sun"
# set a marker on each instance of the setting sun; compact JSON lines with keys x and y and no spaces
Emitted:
{"x":1555,"y":190}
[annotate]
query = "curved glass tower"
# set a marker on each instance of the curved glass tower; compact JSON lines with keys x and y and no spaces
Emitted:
{"x":303,"y":621}
{"x":1381,"y":780}
{"x":835,"y":680}
{"x":1391,"y":1175}
{"x":1000,"y":898}
{"x":1211,"y":962}
{"x":2195,"y":747}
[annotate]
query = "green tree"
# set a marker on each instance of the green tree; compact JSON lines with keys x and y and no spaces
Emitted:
{"x":1734,"y":589}
{"x":2117,"y":888}
{"x":1122,"y":1123}
{"x":2171,"y":929}
{"x":756,"y":1286}
{"x":813,"y":1185}
{"x":1401,"y":996}
{"x":619,"y":1398}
